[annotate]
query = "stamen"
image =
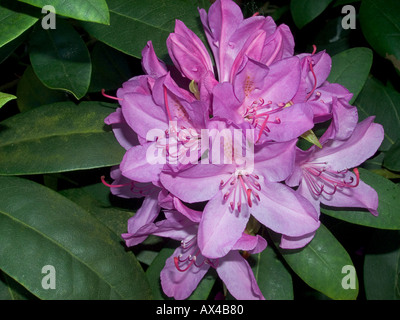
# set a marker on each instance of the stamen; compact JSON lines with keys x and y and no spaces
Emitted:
{"x":315,"y":81}
{"x":263,"y":126}
{"x":176,"y":262}
{"x":113,"y":185}
{"x":318,"y":178}
{"x":314,"y":49}
{"x":355,"y":170}
{"x":110,"y":97}
{"x":166,"y":103}
{"x":248,"y":193}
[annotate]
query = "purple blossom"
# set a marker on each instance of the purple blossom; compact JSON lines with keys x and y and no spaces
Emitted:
{"x":323,"y":175}
{"x":187,"y":265}
{"x":259,"y":86}
{"x":236,"y":191}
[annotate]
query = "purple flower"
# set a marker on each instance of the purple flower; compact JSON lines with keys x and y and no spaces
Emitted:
{"x":187,"y":265}
{"x":167,"y":111}
{"x":231,"y":38}
{"x":323,"y":175}
{"x":171,"y":123}
{"x":261,"y":98}
{"x":236,"y":191}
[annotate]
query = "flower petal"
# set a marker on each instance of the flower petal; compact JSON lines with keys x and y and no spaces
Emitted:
{"x":142,"y":114}
{"x":282,"y":82}
{"x":238,"y":277}
{"x":225,"y":103}
{"x":293,"y":122}
{"x":177,"y":284}
{"x":196,"y":184}
{"x":279,"y":45}
{"x":151,"y":64}
{"x":220,"y":228}
{"x":296,"y":242}
{"x":344,"y":120}
{"x":188,"y":52}
{"x":141,"y":164}
{"x":284,"y":211}
{"x":350,"y":153}
{"x":251,"y":244}
{"x":126,"y":137}
{"x":220,"y":24}
{"x":274,"y":161}
{"x":362,"y":196}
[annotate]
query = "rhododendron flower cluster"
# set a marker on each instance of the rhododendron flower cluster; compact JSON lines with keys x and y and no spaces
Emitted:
{"x":214,"y":149}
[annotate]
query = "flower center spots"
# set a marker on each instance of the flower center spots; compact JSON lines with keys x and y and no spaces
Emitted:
{"x":260,"y":114}
{"x":177,"y":141}
{"x":248,"y":86}
{"x":241,"y":186}
{"x":320,"y":179}
{"x":191,"y":256}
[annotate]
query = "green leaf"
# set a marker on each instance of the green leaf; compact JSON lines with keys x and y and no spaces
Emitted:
{"x":110,"y":68}
{"x":350,"y":68}
{"x":5,"y":97}
{"x":382,"y":266}
{"x":320,"y":265}
{"x":32,"y":93}
{"x":10,"y":47}
{"x":15,"y":19}
{"x":381,"y":101}
{"x":340,"y":3}
{"x":312,"y":138}
{"x":273,"y":279}
{"x":60,"y":59}
{"x":304,"y":11}
{"x":58,"y":137}
{"x":134,"y":22}
{"x":115,"y":219}
{"x":39,"y":227}
{"x":392,"y":157}
{"x":12,"y":290}
{"x":88,"y":10}
{"x":389,"y":202}
{"x":380,"y":23}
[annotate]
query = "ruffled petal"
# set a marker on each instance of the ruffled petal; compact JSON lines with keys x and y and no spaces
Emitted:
{"x":350,"y":153}
{"x":151,"y":64}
